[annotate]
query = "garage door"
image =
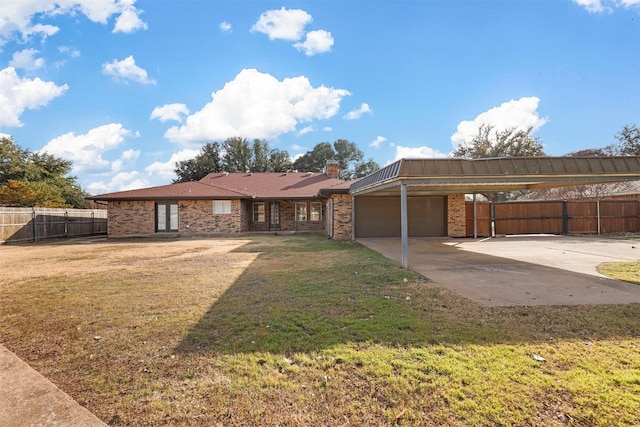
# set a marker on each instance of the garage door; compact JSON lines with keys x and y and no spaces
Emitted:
{"x":380,"y":216}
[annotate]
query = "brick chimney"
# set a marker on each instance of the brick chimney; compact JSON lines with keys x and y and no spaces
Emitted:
{"x":333,"y":169}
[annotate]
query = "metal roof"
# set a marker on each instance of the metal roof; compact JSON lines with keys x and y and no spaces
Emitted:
{"x":442,"y":176}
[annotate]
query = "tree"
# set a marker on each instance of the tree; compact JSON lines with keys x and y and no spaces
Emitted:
{"x":346,"y":153}
{"x":316,"y":159}
{"x":42,"y":176}
{"x":31,"y":194}
{"x":593,"y":152}
{"x":489,"y":142}
{"x":629,"y":140}
{"x":234,"y":155}
{"x":365,"y":168}
{"x":207,"y":161}
{"x":238,"y":156}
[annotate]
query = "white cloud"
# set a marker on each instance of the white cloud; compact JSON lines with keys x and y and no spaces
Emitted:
{"x":126,"y":70}
{"x":122,"y":181}
{"x":166,"y":170}
{"x":285,"y":24}
{"x":297,"y":147}
{"x":19,"y":94}
{"x":25,"y":17}
{"x":592,"y":6}
{"x":605,"y":6}
{"x":225,"y":27}
{"x":327,"y":129}
{"x":357,"y":113}
{"x":417,"y":153}
{"x":257,"y":105}
{"x":376,"y":142}
{"x":72,"y":52}
{"x":305,"y":130}
{"x":129,"y":20}
{"x":319,"y":41}
{"x":130,"y":154}
{"x":26,"y":60}
{"x":169,"y":112}
{"x":521,"y":114}
{"x":85,"y":151}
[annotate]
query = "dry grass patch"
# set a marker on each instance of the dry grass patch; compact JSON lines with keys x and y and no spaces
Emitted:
{"x":303,"y":331}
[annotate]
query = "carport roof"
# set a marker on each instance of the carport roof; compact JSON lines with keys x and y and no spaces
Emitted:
{"x":445,"y":176}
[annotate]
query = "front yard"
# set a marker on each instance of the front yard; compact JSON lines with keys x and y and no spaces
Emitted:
{"x":301,"y":330}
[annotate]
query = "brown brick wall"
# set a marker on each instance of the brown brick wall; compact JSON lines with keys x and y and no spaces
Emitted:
{"x":131,"y":218}
{"x":456,"y":215}
{"x":341,"y":216}
{"x":196,"y":217}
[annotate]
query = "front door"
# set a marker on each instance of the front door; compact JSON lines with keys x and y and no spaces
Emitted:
{"x":274,"y":216}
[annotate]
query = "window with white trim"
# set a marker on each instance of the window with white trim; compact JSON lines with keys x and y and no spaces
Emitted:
{"x":315,"y":211}
{"x":301,"y":211}
{"x":221,"y":207}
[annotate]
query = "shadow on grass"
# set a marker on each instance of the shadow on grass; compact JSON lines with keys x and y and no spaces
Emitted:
{"x":307,"y":293}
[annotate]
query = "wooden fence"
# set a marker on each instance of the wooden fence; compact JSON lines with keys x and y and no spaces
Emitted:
{"x":34,"y":224}
{"x":554,"y":217}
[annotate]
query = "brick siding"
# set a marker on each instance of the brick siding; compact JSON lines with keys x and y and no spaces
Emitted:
{"x":197,"y":217}
{"x":341,"y":216}
{"x":131,"y":218}
{"x":456,"y":215}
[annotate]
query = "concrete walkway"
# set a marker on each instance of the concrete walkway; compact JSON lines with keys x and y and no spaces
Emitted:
{"x":29,"y":399}
{"x":542,"y":270}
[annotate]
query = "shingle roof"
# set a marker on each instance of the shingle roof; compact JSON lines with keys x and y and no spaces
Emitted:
{"x":274,"y":185}
{"x":290,"y":185}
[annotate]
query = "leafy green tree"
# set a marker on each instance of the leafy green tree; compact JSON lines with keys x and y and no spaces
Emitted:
{"x":365,"y":168}
{"x":316,"y":159}
{"x":279,"y":161}
{"x":260,"y":161}
{"x":238,"y":155}
{"x":489,"y":142}
{"x":234,"y":155}
{"x":43,"y":178}
{"x":207,"y":161}
{"x":346,"y":153}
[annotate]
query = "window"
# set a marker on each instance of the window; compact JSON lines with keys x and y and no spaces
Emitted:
{"x":301,"y":211}
{"x":258,"y":212}
{"x":167,"y":216}
{"x":315,"y":211}
{"x":221,"y":207}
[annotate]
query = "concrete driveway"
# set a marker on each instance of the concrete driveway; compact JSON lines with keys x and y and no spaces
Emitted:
{"x":531,"y":270}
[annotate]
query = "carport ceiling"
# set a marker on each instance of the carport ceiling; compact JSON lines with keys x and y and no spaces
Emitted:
{"x":447,"y":176}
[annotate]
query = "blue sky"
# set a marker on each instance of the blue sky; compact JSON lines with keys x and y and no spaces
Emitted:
{"x":126,"y":88}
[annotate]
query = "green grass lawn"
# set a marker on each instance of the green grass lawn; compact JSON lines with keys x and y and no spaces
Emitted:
{"x":301,"y":330}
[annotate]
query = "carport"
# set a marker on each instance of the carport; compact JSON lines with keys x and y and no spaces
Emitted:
{"x":425,"y":197}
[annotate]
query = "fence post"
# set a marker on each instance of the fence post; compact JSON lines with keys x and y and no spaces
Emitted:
{"x":565,"y":217}
{"x":492,"y":217}
{"x":598,"y":214}
{"x":66,"y":224}
{"x":34,"y":217}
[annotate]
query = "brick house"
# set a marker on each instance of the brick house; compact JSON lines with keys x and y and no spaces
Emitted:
{"x":229,"y":203}
{"x":407,"y":198}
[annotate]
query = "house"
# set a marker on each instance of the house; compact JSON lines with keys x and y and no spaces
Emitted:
{"x":408,"y":198}
{"x":229,"y":203}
